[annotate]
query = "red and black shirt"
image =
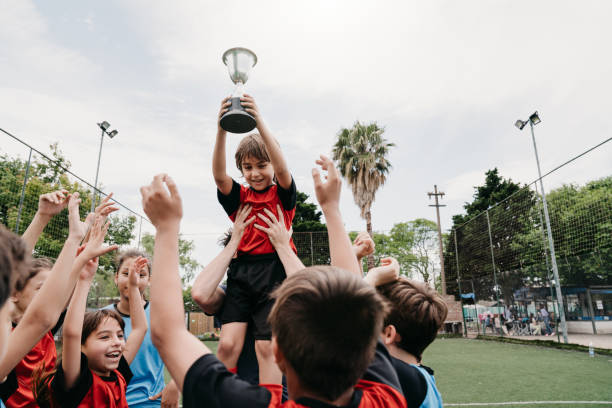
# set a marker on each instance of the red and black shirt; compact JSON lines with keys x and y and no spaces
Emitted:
{"x":90,"y":389}
{"x":254,"y":241}
{"x":209,"y":384}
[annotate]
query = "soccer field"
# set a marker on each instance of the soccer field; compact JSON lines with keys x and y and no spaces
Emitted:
{"x":477,"y":371}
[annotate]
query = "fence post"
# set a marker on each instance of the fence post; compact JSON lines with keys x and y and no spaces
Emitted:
{"x":139,"y":232}
{"x":591,"y":311}
{"x":454,"y":232}
{"x":501,"y":332}
{"x":311,"y":250}
{"x":25,"y":181}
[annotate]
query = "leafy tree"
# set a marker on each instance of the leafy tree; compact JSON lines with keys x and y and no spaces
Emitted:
{"x":187,"y":264}
{"x":361,"y":155}
{"x":307,"y":216}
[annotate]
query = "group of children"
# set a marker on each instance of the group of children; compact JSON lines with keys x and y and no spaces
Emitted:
{"x":322,"y":336}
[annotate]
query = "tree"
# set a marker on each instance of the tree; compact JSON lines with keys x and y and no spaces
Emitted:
{"x":361,"y":156}
{"x":187,"y":264}
{"x":307,"y":217}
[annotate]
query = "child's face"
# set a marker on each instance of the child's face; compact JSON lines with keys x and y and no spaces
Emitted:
{"x":258,"y":173}
{"x":121,"y":279}
{"x":104,"y":347}
{"x":23,"y":298}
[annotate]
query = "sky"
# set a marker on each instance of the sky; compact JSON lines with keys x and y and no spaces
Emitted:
{"x":446,"y":79}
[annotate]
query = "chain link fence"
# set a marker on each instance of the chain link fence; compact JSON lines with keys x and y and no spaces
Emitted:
{"x":499,"y":262}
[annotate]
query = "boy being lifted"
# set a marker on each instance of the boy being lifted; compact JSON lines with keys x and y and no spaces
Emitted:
{"x":257,"y":270}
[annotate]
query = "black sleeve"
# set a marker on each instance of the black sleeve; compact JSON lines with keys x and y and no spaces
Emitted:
{"x":381,"y":370}
{"x":209,"y":384}
{"x":124,"y":369}
{"x":287,"y":197}
{"x":68,"y":398}
{"x":9,"y":386}
{"x":230,"y":202}
{"x":414,"y":384}
{"x":59,"y":323}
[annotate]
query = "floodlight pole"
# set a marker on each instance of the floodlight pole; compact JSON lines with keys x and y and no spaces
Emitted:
{"x":93,"y":199}
{"x":550,"y":241}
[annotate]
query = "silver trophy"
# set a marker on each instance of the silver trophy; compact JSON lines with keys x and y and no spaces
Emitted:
{"x":239,"y":62}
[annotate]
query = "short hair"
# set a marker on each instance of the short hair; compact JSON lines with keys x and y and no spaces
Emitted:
{"x":225,"y":238}
{"x":36,"y":265}
{"x":126,"y":254}
{"x":326,"y":322}
{"x":92,"y":320}
{"x":417,"y":312}
{"x":251,"y":146}
{"x":14,"y":262}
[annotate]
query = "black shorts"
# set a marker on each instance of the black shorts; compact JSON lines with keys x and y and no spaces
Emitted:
{"x":250,"y":280}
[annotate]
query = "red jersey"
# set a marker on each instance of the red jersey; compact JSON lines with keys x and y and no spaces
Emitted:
{"x":90,"y":389}
{"x":254,"y":241}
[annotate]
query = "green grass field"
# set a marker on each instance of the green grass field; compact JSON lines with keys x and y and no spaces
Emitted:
{"x":477,"y":371}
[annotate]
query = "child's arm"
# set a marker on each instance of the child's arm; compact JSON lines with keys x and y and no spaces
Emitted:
{"x":363,"y":245}
{"x":280,"y":238}
{"x":222,"y":179}
{"x":205,"y":290}
{"x":73,"y":324}
{"x":387,"y":272}
{"x":137,"y":313}
{"x":281,"y":171}
{"x":328,"y":196}
{"x":49,"y":204}
{"x":178,"y":348}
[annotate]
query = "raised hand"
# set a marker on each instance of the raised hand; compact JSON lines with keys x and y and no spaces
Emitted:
{"x":90,"y":268}
{"x":103,"y":210}
{"x":363,"y":245}
{"x":94,"y":247}
{"x":387,"y":271}
{"x":76,"y":228}
{"x":53,"y":203}
{"x":163,"y":207}
{"x":249,"y":105}
{"x":277,"y":232}
{"x":328,"y":191}
{"x":225,"y":104}
{"x":134,"y":272}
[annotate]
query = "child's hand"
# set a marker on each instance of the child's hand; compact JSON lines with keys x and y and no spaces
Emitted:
{"x":163,"y":209}
{"x":103,"y":210}
{"x":90,"y":268}
{"x":387,"y":271}
{"x":77,"y":228}
{"x":277,"y":232}
{"x":327,"y":192}
{"x":94,"y":247}
{"x":249,"y":105}
{"x":51,"y":204}
{"x":363,"y":245}
{"x":134,"y":272}
{"x":225,"y":104}
{"x":241,"y":221}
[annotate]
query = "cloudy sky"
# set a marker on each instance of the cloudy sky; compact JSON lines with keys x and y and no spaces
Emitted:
{"x":447,"y":80}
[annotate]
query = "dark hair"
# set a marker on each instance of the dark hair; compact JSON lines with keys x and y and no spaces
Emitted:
{"x":417,"y":312}
{"x":42,"y":377}
{"x":129,"y":254}
{"x":225,"y":238}
{"x":36,"y":265}
{"x":251,"y":146}
{"x":326,"y":322}
{"x":14,"y":262}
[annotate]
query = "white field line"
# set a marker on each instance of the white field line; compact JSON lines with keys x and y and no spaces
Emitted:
{"x":524,"y":403}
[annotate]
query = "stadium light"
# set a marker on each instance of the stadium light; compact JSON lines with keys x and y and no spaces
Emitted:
{"x":104,"y":125}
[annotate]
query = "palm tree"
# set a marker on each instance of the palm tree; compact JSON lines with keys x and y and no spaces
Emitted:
{"x":361,"y":156}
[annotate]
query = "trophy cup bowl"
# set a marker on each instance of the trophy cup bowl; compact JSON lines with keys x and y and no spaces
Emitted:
{"x":239,"y":62}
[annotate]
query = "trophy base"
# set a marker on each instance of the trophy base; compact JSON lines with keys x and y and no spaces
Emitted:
{"x":236,"y":120}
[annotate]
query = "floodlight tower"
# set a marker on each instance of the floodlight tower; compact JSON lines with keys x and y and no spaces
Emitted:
{"x":104,"y":126}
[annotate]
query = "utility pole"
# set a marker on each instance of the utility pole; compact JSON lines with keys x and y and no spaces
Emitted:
{"x":437,"y":194}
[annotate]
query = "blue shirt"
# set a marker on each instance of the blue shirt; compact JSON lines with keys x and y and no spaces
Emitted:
{"x":147,"y":367}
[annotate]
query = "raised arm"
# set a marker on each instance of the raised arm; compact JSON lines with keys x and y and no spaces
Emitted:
{"x":280,"y":238}
{"x":178,"y":348}
{"x":222,"y":179}
{"x":328,"y":196}
{"x":49,"y":205}
{"x":137,"y":313}
{"x":281,"y":170}
{"x":205,"y":291}
{"x":363,"y":245}
{"x":387,"y":272}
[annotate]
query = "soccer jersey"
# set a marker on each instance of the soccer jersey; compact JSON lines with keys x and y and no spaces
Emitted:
{"x":147,"y":366}
{"x":209,"y":384}
{"x":43,"y":353}
{"x":254,"y":241}
{"x":418,"y":384}
{"x":90,"y":389}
